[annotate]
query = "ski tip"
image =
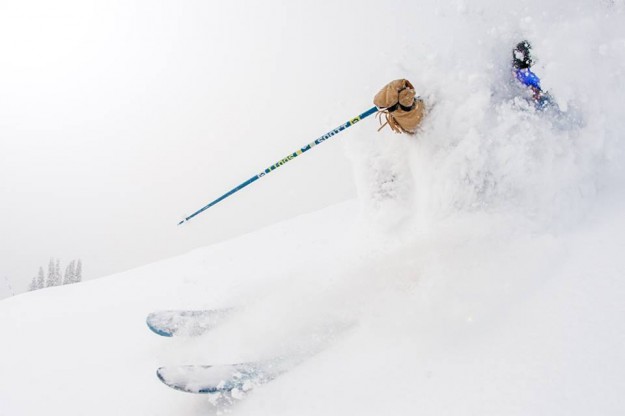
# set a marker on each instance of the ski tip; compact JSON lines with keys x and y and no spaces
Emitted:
{"x":176,"y":378}
{"x":182,"y":222}
{"x":154,"y":323}
{"x":164,"y":332}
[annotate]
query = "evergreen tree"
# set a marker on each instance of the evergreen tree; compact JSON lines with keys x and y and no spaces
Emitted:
{"x":54,"y":273}
{"x":78,"y":272}
{"x":73,"y":274}
{"x":50,"y":279}
{"x":57,"y":273}
{"x":38,"y":282}
{"x":70,"y":274}
{"x":41,"y":280}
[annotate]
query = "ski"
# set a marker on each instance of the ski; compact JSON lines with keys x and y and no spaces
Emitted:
{"x":226,"y":384}
{"x":230,"y":380}
{"x":189,"y":323}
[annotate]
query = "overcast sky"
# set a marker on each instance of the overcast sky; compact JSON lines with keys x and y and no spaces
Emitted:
{"x":119,"y":118}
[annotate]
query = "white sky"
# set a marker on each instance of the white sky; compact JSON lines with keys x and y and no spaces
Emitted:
{"x":119,"y":118}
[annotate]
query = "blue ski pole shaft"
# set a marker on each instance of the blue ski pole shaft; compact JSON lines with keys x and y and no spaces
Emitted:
{"x":288,"y":158}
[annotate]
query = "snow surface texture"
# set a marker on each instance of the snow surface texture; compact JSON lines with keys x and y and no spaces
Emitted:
{"x":482,"y":262}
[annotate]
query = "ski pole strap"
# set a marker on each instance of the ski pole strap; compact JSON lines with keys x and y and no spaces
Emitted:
{"x":286,"y":159}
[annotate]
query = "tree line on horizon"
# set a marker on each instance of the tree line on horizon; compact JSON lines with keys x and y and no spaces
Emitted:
{"x":73,"y":274}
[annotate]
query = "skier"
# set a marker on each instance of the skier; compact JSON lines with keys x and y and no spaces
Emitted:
{"x":522,"y":62}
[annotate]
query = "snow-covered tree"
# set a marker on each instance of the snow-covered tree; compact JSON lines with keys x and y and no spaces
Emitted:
{"x":57,"y":272}
{"x":41,"y":280}
{"x":50,"y":278}
{"x":73,"y":272}
{"x":78,"y":272}
{"x":70,"y":274}
{"x":54,"y":273}
{"x":38,"y":281}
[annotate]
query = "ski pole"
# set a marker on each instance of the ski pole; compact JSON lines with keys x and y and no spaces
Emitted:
{"x":288,"y":158}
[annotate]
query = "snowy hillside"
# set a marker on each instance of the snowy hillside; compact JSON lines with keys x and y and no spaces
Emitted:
{"x":485,"y":278}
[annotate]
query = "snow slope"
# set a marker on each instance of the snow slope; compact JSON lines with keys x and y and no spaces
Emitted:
{"x":477,"y":315}
{"x":486,"y":279}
